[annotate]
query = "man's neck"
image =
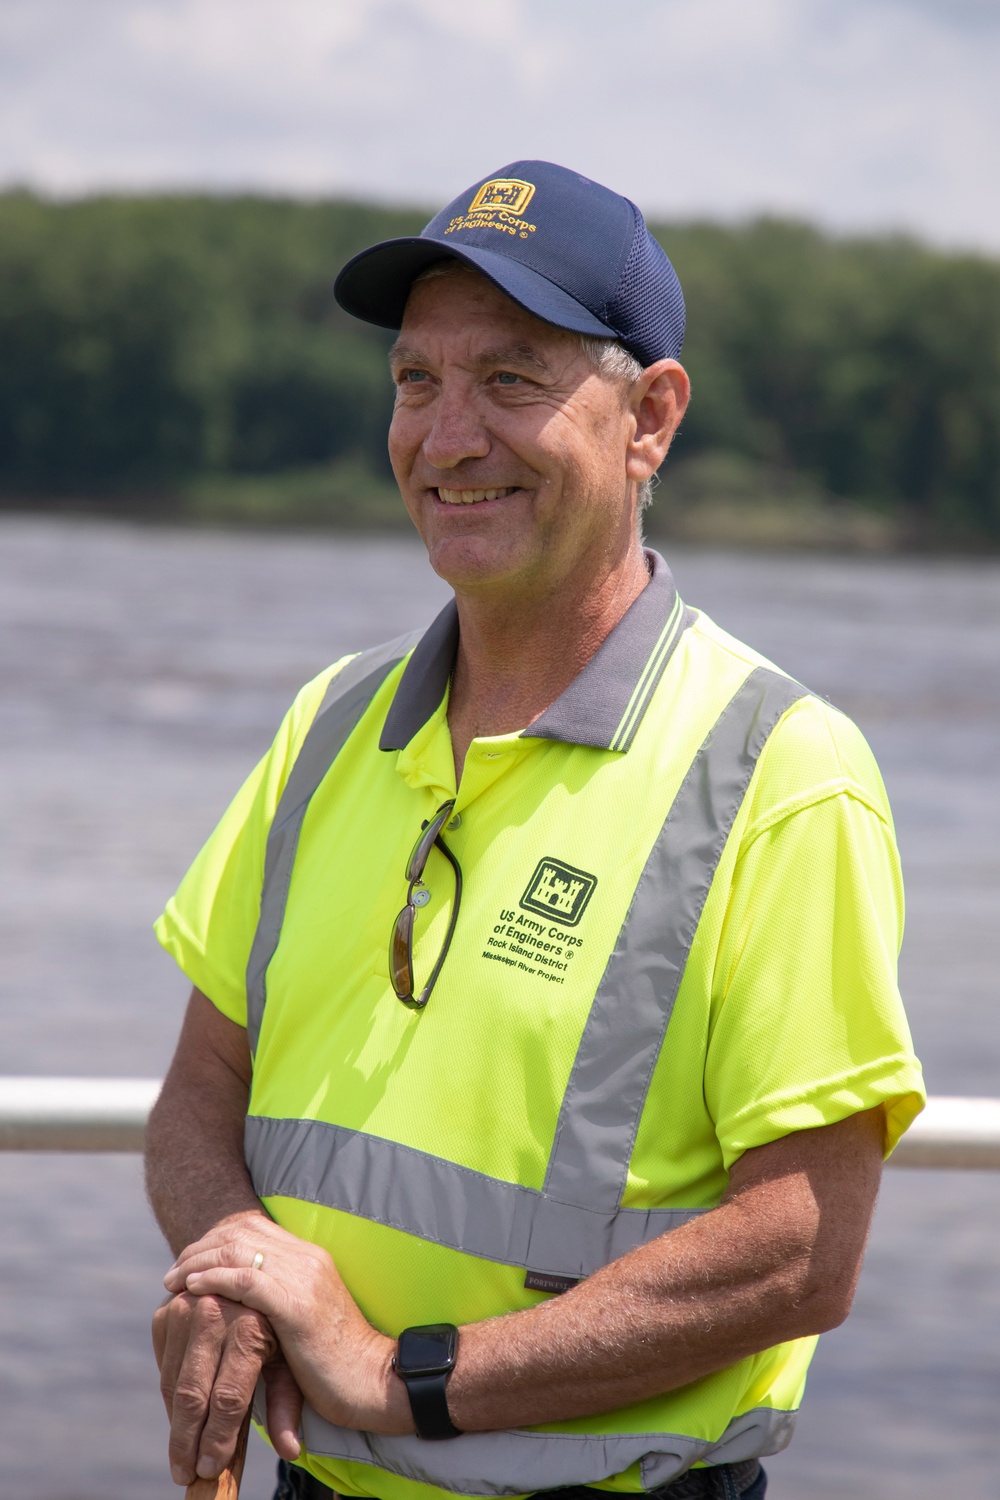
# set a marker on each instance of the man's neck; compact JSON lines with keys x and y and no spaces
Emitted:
{"x":517,"y":655}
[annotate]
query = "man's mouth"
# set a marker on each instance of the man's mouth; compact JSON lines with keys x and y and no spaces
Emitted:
{"x":473,"y":497}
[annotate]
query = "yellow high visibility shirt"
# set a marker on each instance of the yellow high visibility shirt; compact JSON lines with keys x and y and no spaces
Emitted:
{"x":786,"y":1015}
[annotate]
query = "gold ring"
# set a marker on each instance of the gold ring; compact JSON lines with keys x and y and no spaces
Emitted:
{"x":257,"y":1262}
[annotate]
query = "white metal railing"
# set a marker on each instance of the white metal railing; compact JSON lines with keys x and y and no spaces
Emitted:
{"x":952,"y":1133}
{"x":75,"y":1114}
{"x":109,"y":1114}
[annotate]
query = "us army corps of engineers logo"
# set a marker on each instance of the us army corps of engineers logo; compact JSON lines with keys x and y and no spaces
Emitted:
{"x":558,"y":891}
{"x":508,"y":193}
{"x":498,"y":205}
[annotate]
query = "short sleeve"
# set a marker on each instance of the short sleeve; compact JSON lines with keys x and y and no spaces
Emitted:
{"x":808,"y":1024}
{"x":209,"y":923}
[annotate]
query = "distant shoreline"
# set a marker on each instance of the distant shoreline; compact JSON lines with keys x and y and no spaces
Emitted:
{"x":185,"y":352}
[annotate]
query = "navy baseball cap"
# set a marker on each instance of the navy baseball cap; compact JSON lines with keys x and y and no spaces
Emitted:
{"x":568,"y":250}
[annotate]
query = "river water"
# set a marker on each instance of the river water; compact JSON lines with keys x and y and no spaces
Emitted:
{"x":143,"y":672}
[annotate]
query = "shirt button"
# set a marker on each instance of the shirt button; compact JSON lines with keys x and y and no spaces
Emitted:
{"x":456,"y":822}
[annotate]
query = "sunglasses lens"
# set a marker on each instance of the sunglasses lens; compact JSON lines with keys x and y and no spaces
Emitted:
{"x":401,"y":954}
{"x":401,"y":942}
{"x":422,"y":848}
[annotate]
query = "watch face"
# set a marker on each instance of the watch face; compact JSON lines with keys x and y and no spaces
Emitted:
{"x":427,"y":1350}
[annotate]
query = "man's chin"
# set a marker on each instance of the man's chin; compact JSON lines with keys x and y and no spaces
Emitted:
{"x":476,"y":561}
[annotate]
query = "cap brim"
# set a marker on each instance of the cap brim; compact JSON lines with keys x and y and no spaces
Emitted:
{"x":375,"y":285}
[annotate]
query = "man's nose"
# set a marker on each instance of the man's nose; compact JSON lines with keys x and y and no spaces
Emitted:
{"x":456,"y":432}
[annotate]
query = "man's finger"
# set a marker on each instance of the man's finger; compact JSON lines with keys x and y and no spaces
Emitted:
{"x":172,"y":1333}
{"x":161,"y":1319}
{"x":233,"y":1243}
{"x":229,"y":1402}
{"x":227,"y":1487}
{"x":195,"y":1338}
{"x":240,"y":1284}
{"x":231,"y":1253}
{"x":284,"y":1410}
{"x":249,"y":1344}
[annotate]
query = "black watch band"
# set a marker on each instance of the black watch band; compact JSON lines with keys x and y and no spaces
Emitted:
{"x":424,"y":1359}
{"x":429,"y":1405}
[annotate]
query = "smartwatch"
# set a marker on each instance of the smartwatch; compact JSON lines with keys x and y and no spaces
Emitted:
{"x":424,"y":1359}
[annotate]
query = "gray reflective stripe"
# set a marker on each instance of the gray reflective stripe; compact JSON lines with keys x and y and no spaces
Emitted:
{"x":576,"y":1223}
{"x":347,"y":696}
{"x":521,"y":1461}
{"x":438,"y":1200}
{"x":628,"y":1020}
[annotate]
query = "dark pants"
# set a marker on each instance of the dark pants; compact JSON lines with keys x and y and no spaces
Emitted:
{"x":296,"y":1484}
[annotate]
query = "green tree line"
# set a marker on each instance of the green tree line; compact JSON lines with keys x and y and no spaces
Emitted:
{"x":159,"y":351}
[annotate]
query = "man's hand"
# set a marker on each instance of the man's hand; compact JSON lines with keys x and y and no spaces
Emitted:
{"x":341,"y":1363}
{"x":211,"y":1353}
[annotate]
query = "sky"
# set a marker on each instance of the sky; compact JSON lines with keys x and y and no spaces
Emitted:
{"x":861,"y":115}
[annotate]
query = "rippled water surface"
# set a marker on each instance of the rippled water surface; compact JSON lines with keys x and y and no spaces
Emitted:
{"x":143,"y":673}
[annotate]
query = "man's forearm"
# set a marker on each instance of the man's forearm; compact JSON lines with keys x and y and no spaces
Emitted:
{"x":778,"y":1260}
{"x":195,"y":1169}
{"x":659,"y":1318}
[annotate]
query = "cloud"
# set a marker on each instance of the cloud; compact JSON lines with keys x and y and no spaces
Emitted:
{"x":862,"y":114}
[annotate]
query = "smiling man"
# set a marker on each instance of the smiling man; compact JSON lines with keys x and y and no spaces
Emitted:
{"x":528,"y":1115}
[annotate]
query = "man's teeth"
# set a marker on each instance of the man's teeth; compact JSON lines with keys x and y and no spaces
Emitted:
{"x":473,"y":497}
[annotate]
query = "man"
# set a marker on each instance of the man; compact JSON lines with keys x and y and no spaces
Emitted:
{"x":528,"y":1114}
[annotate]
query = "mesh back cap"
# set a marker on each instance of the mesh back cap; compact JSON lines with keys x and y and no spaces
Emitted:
{"x":565,"y":248}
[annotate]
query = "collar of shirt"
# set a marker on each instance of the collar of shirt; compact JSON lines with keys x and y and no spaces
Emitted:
{"x":428,"y":760}
{"x":602,"y":707}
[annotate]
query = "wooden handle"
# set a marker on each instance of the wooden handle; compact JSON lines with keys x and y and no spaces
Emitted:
{"x":227,"y":1486}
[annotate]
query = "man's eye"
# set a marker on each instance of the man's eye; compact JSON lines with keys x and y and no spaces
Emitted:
{"x":507,"y":377}
{"x":413,"y":377}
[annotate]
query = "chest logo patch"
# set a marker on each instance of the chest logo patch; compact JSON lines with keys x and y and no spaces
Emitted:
{"x":558,"y":891}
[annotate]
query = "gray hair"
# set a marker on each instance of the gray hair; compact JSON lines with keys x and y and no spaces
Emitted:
{"x":614,"y":362}
{"x":609,"y":358}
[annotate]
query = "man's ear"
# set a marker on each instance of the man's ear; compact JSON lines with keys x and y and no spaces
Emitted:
{"x":657,"y":401}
